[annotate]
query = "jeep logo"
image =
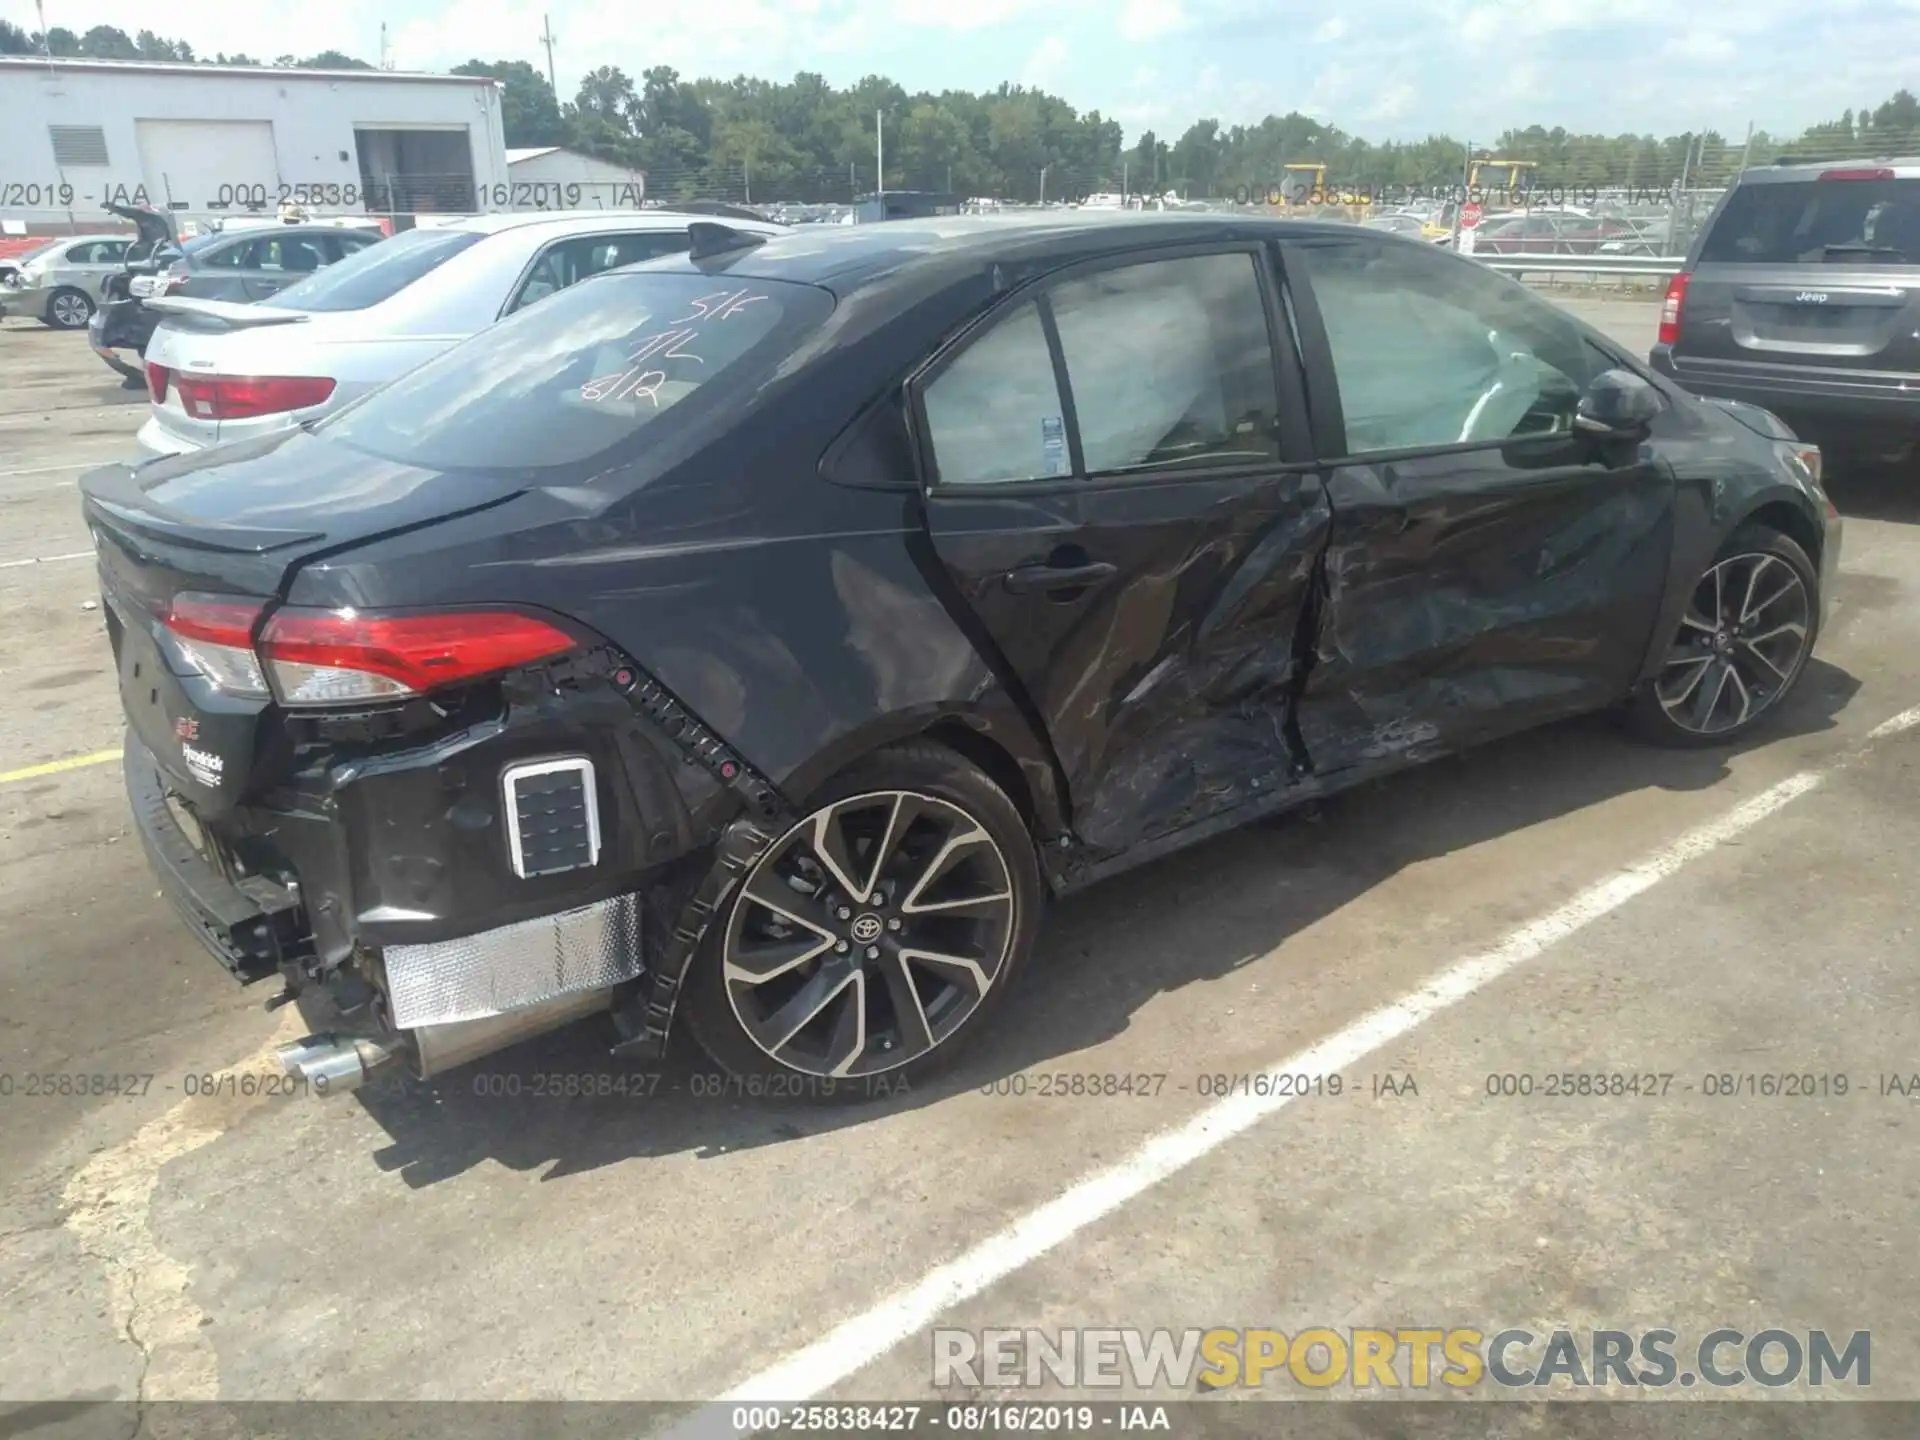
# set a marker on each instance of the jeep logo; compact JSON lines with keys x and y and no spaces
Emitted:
{"x":1812,"y":297}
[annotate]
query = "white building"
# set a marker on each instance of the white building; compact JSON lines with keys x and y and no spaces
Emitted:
{"x":212,"y":141}
{"x":549,"y":178}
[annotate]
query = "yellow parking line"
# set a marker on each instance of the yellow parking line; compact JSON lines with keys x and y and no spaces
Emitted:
{"x":54,"y":767}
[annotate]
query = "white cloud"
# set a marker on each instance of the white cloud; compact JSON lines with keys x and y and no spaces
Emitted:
{"x":1391,"y":102}
{"x":960,"y":14}
{"x":1043,"y":66}
{"x":1151,"y":19}
{"x":1329,"y":30}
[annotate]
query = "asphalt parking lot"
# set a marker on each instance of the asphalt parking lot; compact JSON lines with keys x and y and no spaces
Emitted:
{"x":1563,"y":902}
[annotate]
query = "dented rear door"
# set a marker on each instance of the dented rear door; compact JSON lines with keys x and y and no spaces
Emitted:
{"x":1486,"y":569}
{"x":1125,"y":505}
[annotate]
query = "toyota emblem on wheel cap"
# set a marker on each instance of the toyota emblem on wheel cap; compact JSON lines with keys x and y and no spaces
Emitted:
{"x":866,"y":929}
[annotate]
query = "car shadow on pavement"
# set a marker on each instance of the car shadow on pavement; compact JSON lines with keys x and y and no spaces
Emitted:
{"x":1103,"y":954}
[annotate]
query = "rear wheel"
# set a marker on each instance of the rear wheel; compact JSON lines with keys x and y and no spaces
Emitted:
{"x":69,"y":309}
{"x":875,"y":937}
{"x":1742,"y":644}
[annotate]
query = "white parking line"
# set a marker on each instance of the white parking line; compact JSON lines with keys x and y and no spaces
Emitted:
{"x":46,"y":559}
{"x":52,"y":469}
{"x":810,"y":1371}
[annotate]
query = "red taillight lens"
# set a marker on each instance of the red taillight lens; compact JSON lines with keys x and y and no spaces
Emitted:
{"x":1670,"y":309}
{"x":156,"y":382}
{"x":214,"y":633}
{"x":1860,"y":174}
{"x":237,"y":397}
{"x":332,"y":657}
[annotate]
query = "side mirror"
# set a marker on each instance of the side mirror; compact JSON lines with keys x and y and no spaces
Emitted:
{"x":1618,"y":405}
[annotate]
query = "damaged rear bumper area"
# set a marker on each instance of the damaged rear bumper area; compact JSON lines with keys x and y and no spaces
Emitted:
{"x":450,"y":898}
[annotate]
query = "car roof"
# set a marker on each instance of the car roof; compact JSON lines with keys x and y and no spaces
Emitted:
{"x":53,"y":240}
{"x":255,"y":232}
{"x":1903,"y":168}
{"x":846,"y":258}
{"x":566,"y":221}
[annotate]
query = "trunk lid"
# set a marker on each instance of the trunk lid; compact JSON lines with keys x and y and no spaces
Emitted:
{"x":155,"y":228}
{"x":1809,"y":271}
{"x":210,"y":337}
{"x":180,"y":526}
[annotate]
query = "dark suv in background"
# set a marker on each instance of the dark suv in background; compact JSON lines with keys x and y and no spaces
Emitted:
{"x":1802,"y":296}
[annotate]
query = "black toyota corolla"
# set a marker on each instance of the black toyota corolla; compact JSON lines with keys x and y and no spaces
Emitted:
{"x":760,"y":636}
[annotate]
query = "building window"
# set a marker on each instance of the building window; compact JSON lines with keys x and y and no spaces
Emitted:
{"x":78,"y":146}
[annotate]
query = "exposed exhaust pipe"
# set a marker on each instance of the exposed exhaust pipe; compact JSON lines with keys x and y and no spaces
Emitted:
{"x":334,"y":1064}
{"x":337,"y":1064}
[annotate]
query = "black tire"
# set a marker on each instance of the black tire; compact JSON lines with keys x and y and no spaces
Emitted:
{"x":926,"y":770}
{"x":1651,"y":719}
{"x":62,"y":311}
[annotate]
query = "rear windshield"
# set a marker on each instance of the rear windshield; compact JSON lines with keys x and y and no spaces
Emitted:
{"x":377,"y":273}
{"x":583,"y":370}
{"x":1804,"y":221}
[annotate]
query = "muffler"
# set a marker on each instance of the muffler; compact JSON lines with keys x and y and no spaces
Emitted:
{"x":334,"y":1064}
{"x":338,"y":1064}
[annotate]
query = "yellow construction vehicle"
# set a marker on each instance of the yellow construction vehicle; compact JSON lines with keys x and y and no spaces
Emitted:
{"x":1505,"y":180}
{"x":1303,"y":183}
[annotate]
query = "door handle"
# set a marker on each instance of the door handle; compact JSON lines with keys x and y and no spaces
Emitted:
{"x":1047,"y":578}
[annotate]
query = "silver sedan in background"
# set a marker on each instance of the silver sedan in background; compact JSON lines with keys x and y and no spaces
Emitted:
{"x":61,"y":283}
{"x":219,"y":371}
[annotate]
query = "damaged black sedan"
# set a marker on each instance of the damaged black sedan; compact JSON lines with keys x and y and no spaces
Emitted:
{"x":759,"y":636}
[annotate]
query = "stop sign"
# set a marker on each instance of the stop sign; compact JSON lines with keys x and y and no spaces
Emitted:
{"x":1470,"y":215}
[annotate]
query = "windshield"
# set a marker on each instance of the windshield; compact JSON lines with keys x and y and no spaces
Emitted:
{"x":1841,"y":221}
{"x":377,"y":273}
{"x":583,"y":370}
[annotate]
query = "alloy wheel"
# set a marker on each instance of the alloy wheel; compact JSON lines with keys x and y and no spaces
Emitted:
{"x":70,"y":312}
{"x":869,"y":934}
{"x":1741,"y":641}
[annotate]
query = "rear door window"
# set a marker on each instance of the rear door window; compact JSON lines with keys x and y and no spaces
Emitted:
{"x":1794,"y":222}
{"x":567,"y":262}
{"x":240,"y":255}
{"x":1168,"y":364}
{"x":994,"y":414}
{"x":377,"y":273}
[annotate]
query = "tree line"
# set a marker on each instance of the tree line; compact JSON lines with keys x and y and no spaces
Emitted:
{"x":808,"y":140}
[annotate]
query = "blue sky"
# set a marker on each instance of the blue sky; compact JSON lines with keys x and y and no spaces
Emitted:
{"x":1385,"y":69}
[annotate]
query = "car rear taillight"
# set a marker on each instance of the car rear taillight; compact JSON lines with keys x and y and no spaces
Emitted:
{"x":156,"y":381}
{"x":214,"y":633}
{"x":1857,"y":174}
{"x":238,"y":397}
{"x":1670,"y":309}
{"x":333,"y":657}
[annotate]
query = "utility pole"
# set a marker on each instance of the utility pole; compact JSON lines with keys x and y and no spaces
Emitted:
{"x":880,"y":159}
{"x":1043,"y":182}
{"x":546,"y":39}
{"x":1746,"y":152}
{"x":40,"y":9}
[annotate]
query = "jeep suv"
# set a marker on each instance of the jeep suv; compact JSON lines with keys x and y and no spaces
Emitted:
{"x":1802,"y":296}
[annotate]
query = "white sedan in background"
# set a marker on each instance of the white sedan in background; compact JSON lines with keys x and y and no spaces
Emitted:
{"x":221,"y":371}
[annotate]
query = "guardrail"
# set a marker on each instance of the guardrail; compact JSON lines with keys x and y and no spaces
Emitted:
{"x":1656,"y":267}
